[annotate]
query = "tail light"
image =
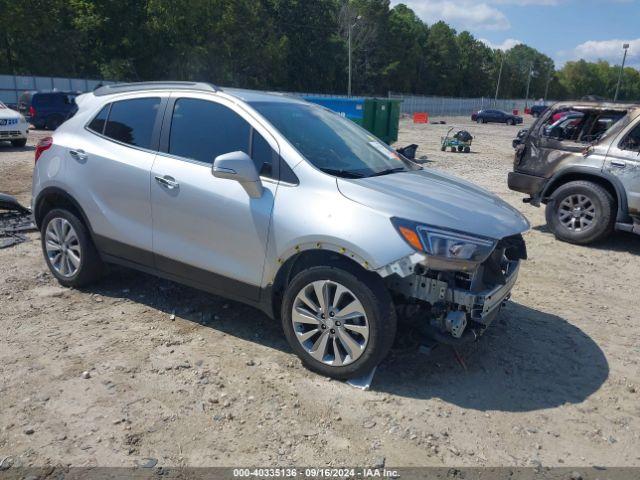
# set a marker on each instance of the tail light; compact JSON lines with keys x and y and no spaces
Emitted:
{"x":32,"y":111}
{"x":43,"y":145}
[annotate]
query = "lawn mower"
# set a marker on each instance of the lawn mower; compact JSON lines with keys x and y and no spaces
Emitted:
{"x":460,"y":142}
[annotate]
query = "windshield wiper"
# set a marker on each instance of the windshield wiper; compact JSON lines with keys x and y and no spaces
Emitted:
{"x":342,"y":173}
{"x":388,"y":171}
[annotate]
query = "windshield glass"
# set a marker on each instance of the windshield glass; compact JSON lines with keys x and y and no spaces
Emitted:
{"x":332,"y":143}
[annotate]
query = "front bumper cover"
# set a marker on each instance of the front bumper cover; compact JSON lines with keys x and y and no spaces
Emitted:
{"x":525,"y":183}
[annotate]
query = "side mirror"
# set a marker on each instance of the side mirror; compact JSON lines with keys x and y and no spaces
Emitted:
{"x":238,"y":166}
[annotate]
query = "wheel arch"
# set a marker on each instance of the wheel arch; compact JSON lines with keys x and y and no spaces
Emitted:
{"x":55,"y":197}
{"x":607,"y":181}
{"x":311,"y":258}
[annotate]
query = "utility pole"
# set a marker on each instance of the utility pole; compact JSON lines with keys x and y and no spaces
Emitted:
{"x":624,"y":58}
{"x":495,"y":101}
{"x":526,"y":100}
{"x":546,"y":89}
{"x":351,"y":25}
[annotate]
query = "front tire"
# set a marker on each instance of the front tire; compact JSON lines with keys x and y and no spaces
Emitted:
{"x":19,"y":143}
{"x":340,"y":323}
{"x":68,"y":249}
{"x":581,"y":212}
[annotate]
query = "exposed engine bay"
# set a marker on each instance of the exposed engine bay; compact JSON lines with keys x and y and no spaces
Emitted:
{"x":456,"y":307}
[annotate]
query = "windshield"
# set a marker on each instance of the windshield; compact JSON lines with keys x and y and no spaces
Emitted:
{"x":332,"y":143}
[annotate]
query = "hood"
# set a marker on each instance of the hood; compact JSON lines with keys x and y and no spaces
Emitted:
{"x":8,"y":113}
{"x":439,"y":200}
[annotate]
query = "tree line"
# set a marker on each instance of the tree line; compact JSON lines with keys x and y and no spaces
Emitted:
{"x":289,"y":45}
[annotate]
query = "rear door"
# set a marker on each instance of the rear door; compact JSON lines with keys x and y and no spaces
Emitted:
{"x":111,"y":164}
{"x":623,"y":161}
{"x":207,"y":230}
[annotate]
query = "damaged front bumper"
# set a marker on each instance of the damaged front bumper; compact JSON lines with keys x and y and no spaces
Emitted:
{"x":454,"y":307}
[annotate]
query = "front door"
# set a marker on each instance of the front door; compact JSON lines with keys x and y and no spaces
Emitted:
{"x":208,"y":230}
{"x":623,"y":161}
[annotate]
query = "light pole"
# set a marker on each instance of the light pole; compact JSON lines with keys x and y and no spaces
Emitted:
{"x":351,"y":25}
{"x":624,"y":58}
{"x":546,"y":89}
{"x":495,"y":102}
{"x":526,"y":100}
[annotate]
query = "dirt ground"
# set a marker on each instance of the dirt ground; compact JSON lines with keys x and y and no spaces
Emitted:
{"x":554,"y":382}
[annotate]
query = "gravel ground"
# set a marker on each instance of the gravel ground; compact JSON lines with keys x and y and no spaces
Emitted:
{"x":186,"y":378}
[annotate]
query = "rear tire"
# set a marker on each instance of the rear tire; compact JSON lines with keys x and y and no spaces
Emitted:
{"x":377,"y":321}
{"x":68,"y":249}
{"x":581,"y":212}
{"x":19,"y":143}
{"x":467,"y":149}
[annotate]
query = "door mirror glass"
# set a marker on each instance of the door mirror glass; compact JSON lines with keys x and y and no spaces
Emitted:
{"x":239,"y":166}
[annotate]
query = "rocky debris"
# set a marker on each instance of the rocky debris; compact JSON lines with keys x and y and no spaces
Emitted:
{"x":369,"y":424}
{"x":147,"y":463}
{"x":86,"y":375}
{"x":29,"y":431}
{"x":378,"y":462}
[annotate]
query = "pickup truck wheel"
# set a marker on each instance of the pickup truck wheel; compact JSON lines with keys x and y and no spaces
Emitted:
{"x":341,"y":324}
{"x":581,"y":212}
{"x":68,"y":249}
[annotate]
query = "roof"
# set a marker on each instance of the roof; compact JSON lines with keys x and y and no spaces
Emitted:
{"x":252,"y":96}
{"x":145,"y":86}
{"x":597,"y":105}
{"x":249,"y":96}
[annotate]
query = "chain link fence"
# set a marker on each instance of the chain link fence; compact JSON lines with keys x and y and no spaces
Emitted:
{"x":454,"y":106}
{"x":12,"y":86}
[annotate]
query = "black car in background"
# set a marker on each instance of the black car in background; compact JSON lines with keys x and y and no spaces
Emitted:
{"x":496,"y":116}
{"x":537,"y":110}
{"x":47,"y":109}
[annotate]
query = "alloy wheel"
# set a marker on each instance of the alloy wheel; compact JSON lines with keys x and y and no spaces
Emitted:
{"x":63,"y":247}
{"x":577,"y":212}
{"x":330,"y":323}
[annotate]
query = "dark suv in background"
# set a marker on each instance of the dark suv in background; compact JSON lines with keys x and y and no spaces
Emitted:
{"x":47,"y":109}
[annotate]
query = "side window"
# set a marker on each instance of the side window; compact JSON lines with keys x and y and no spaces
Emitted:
{"x":97,"y":124}
{"x":632,"y":140}
{"x":263,"y":155}
{"x":132,"y":121}
{"x":202,"y":130}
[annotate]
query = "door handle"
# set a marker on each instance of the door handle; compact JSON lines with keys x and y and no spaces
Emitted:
{"x":78,"y":154}
{"x":167,"y":182}
{"x":618,"y":163}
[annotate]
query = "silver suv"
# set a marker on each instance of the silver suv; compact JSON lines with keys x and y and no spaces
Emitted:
{"x":277,"y":203}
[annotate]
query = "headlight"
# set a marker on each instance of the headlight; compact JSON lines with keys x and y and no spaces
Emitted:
{"x":443,"y":243}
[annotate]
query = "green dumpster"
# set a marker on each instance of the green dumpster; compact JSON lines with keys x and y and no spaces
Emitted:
{"x":379,"y":116}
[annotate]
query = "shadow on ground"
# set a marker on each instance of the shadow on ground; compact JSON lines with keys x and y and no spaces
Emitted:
{"x":616,"y":242}
{"x":527,"y":360}
{"x":7,"y":147}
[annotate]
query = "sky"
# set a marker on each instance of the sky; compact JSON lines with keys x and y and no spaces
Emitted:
{"x":562,"y":29}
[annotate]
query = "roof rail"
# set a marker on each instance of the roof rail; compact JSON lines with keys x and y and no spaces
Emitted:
{"x":142,"y":86}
